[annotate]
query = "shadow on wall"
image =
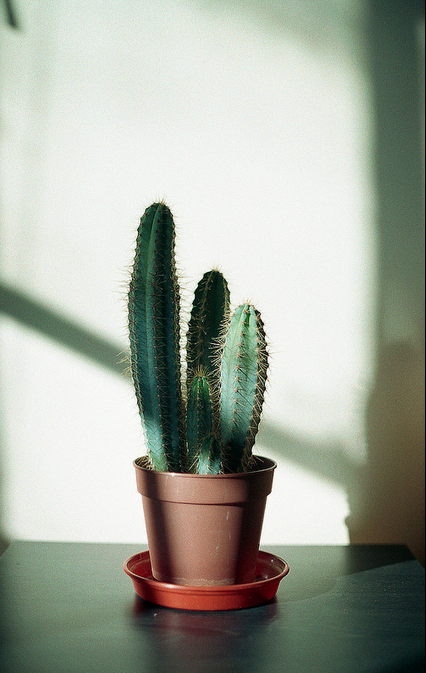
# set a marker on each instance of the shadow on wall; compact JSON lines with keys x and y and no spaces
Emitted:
{"x":389,"y":501}
{"x":386,"y":495}
{"x":391,"y":498}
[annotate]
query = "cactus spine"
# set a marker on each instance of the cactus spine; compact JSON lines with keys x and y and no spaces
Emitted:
{"x":227,"y":361}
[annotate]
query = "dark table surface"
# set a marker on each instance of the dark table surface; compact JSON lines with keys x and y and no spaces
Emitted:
{"x":69,"y":607}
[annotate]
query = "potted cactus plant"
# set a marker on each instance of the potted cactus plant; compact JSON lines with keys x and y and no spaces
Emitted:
{"x":203,"y":490}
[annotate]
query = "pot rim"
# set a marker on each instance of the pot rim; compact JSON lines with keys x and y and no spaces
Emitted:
{"x":266,"y":465}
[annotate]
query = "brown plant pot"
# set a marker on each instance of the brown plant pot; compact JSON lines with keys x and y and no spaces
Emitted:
{"x":204,"y":530}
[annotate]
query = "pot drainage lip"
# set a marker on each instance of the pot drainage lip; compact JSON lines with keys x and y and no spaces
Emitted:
{"x":270,"y":570}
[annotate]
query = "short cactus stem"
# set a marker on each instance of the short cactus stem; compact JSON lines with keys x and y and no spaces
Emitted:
{"x":210,"y":311}
{"x":209,"y":459}
{"x":199,"y":422}
{"x":243,"y":377}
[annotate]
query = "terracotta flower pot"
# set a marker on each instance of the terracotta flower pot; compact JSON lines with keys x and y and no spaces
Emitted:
{"x":204,"y":530}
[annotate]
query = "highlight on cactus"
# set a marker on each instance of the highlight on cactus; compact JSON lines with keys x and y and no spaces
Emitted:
{"x":208,"y":423}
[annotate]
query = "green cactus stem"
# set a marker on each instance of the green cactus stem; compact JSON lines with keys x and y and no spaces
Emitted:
{"x":199,"y":423}
{"x":153,"y":306}
{"x":209,"y":459}
{"x":243,"y":376}
{"x":210,"y":309}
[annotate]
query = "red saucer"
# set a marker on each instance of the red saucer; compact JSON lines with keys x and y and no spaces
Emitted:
{"x":270,"y":570}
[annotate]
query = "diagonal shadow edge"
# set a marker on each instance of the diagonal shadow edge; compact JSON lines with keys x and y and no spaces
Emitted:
{"x":11,"y":16}
{"x":34,"y":314}
{"x":324,"y":458}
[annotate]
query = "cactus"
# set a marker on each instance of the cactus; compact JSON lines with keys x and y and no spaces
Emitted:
{"x":215,"y":429}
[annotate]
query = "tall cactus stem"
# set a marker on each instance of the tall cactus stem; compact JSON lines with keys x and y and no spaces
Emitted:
{"x":153,"y":307}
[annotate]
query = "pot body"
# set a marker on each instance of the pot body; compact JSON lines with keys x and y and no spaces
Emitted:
{"x":204,"y":530}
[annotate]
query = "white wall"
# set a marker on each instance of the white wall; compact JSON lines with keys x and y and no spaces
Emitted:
{"x":253,"y":122}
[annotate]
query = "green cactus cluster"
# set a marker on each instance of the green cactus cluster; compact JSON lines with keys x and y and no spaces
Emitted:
{"x":208,"y":425}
